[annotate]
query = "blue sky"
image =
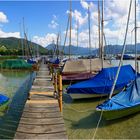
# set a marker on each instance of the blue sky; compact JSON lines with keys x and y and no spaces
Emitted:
{"x":44,"y":19}
{"x":37,"y":15}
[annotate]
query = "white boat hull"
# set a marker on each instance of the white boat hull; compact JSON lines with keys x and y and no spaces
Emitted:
{"x":83,"y":96}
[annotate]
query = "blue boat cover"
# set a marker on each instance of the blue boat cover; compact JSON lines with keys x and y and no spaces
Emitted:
{"x":127,"y":56}
{"x":103,"y":81}
{"x":55,"y":61}
{"x":3,"y":99}
{"x":30,"y":61}
{"x":130,"y":97}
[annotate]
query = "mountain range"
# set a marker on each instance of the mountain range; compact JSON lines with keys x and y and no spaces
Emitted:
{"x":12,"y":43}
{"x":109,"y":49}
{"x":74,"y":49}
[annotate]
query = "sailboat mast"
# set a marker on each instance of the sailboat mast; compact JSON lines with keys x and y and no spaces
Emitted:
{"x":136,"y":37}
{"x":57,"y":49}
{"x":89,"y":36}
{"x":102,"y":35}
{"x":66,"y":36}
{"x":70,"y":31}
{"x":99,"y":28}
{"x":21,"y":40}
{"x":77,"y":32}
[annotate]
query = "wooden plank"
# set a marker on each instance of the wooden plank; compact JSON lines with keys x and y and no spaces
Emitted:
{"x":42,"y":105}
{"x":44,"y":129}
{"x":46,"y":76}
{"x":60,"y":135}
{"x":42,"y":102}
{"x":40,"y":86}
{"x":41,"y":115}
{"x":45,"y":121}
{"x":43,"y":79}
{"x":41,"y":109}
{"x":41,"y":97}
{"x":41,"y":92}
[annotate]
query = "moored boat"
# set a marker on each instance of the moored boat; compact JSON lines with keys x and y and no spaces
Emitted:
{"x":101,"y":84}
{"x":82,"y":69}
{"x":4,"y":101}
{"x":123,"y":104}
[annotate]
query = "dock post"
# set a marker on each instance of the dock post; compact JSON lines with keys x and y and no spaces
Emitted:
{"x":55,"y":85}
{"x":60,"y":92}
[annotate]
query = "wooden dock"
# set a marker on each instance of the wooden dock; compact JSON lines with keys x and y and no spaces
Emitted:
{"x":41,"y":118}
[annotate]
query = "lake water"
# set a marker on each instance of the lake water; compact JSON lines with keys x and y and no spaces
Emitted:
{"x":81,"y":120}
{"x":15,"y":85}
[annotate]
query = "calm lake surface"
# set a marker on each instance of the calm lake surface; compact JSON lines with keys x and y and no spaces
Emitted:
{"x":15,"y":85}
{"x":81,"y":119}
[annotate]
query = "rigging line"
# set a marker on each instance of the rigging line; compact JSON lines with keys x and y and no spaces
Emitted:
{"x":98,"y":124}
{"x":105,"y":40}
{"x":57,"y":46}
{"x":124,"y":47}
{"x":136,"y":38}
{"x":77,"y":32}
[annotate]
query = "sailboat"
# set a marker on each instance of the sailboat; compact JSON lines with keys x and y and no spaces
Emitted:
{"x":101,"y":84}
{"x":123,"y":104}
{"x":126,"y":102}
{"x":55,"y":61}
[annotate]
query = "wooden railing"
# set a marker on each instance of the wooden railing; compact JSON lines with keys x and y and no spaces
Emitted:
{"x":58,"y":87}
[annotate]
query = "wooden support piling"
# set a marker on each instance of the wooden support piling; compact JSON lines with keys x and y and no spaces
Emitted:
{"x":60,"y":89}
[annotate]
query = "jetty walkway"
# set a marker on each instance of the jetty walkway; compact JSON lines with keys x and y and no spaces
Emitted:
{"x":41,"y":117}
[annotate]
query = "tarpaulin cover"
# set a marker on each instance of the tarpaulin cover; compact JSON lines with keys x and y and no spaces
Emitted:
{"x":31,"y":61}
{"x":128,"y":57}
{"x":15,"y":64}
{"x":127,"y":98}
{"x":103,"y":81}
{"x":55,"y":61}
{"x":84,"y":65}
{"x":3,"y":99}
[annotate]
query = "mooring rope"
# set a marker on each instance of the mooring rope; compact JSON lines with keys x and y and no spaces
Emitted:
{"x":98,"y":124}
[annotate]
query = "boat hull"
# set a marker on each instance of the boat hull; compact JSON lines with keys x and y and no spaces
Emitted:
{"x":116,"y":114}
{"x":86,"y":96}
{"x":93,"y":95}
{"x":76,"y":77}
{"x":4,"y":107}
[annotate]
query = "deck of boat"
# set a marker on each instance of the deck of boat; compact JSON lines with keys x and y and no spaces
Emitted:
{"x":41,"y":118}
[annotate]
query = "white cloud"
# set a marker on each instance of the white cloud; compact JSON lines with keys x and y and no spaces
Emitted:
{"x":46,"y":40}
{"x":3,"y":18}
{"x":9,"y":34}
{"x":84,"y":4}
{"x":53,"y":23}
{"x":79,"y":18}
